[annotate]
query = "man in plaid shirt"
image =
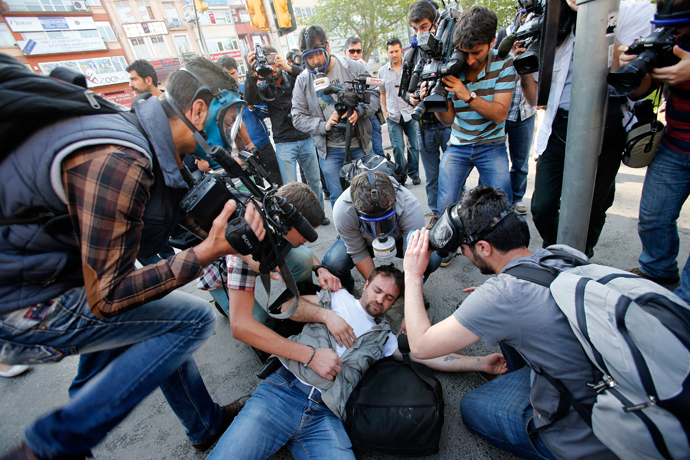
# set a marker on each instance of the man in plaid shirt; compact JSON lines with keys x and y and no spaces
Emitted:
{"x":72,"y":289}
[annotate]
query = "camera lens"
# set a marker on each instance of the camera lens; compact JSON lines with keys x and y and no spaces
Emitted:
{"x":628,"y":78}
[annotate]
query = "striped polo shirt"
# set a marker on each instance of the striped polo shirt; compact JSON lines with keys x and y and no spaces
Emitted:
{"x":471,"y":128}
{"x":677,"y":135}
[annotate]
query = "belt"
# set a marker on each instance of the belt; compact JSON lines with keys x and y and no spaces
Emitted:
{"x":313,"y":393}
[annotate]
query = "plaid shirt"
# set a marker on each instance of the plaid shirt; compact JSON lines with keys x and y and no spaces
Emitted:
{"x":107,"y":188}
{"x":519,"y":105}
{"x":240,"y":275}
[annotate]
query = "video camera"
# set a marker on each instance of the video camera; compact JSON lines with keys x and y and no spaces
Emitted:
{"x":261,"y":64}
{"x":207,"y":198}
{"x":654,"y":51}
{"x":529,"y":31}
{"x":348,"y":99}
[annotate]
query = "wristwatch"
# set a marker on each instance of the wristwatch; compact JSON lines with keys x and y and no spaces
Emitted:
{"x":473,"y":96}
{"x":315,"y":269}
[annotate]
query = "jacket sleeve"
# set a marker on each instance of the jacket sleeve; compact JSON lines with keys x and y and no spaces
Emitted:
{"x":251,"y":93}
{"x":302,"y":118}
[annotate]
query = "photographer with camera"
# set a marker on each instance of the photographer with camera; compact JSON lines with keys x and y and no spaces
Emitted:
{"x":314,"y":111}
{"x":373,"y":217}
{"x":398,"y":112}
{"x":272,"y":81}
{"x":666,"y":182}
{"x":69,"y":285}
{"x":517,"y":412}
{"x":633,"y":21}
{"x":477,"y":109}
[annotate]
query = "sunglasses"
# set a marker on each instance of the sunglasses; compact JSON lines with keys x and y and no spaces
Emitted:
{"x":354,"y":51}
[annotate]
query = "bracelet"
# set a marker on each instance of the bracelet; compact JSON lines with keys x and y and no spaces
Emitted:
{"x":313,"y":352}
{"x":315,"y":268}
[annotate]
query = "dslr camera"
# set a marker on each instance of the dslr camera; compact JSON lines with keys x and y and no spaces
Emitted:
{"x":653,"y":51}
{"x":204,"y":202}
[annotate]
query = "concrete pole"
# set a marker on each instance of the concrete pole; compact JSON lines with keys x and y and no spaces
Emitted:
{"x":275,"y":38}
{"x":588,"y":103}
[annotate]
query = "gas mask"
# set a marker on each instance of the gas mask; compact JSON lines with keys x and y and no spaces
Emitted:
{"x":317,"y":49}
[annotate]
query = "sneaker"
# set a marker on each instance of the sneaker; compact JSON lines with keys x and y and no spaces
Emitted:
{"x":432,"y":222}
{"x":662,"y":281}
{"x":325,"y":221}
{"x":416,"y":181}
{"x":14,"y":371}
{"x":447,"y":260}
{"x":326,"y":195}
{"x":520,"y":208}
{"x":229,"y":413}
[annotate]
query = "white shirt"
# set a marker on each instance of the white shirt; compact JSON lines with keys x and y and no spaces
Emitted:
{"x":633,"y":21}
{"x":395,"y":105}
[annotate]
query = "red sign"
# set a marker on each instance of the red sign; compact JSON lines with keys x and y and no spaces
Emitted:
{"x":160,"y":63}
{"x":124,"y":97}
{"x":212,"y":17}
{"x":236,"y":54}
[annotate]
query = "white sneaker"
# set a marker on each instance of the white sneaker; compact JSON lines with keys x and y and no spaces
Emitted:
{"x":520,"y":208}
{"x":14,"y":371}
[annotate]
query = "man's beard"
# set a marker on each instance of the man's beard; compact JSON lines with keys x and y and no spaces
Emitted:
{"x":484,"y":267}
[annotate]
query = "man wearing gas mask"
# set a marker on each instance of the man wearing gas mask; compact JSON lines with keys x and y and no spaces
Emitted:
{"x":275,"y":89}
{"x":519,"y":412}
{"x":373,"y":218}
{"x":633,"y":21}
{"x":74,"y":290}
{"x":314,"y":111}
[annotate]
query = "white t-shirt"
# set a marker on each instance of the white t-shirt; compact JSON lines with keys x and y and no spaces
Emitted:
{"x":347,"y":307}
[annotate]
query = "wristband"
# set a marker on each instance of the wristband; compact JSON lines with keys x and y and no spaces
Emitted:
{"x":313,"y":352}
{"x":315,"y":269}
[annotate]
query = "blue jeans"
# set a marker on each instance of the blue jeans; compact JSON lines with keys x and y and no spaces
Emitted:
{"x":376,"y":138}
{"x":434,"y":143}
{"x":304,"y":152}
{"x":500,"y":412}
{"x":491,"y":160}
{"x":520,"y":134}
{"x":409,"y":128}
{"x":279,"y":414}
{"x":666,"y":188}
{"x":128,"y":357}
{"x":340,"y":264}
{"x":331,"y":166}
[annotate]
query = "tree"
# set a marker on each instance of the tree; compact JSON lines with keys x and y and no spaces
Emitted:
{"x":370,"y":20}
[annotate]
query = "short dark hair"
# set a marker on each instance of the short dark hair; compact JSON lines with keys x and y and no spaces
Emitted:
{"x":182,"y":86}
{"x":392,"y":42}
{"x":389,"y":271}
{"x":310,"y":36}
{"x":144,"y":69}
{"x":227,"y":62}
{"x":480,"y":206}
{"x":360,"y":190}
{"x":304,"y":200}
{"x":352,"y":41}
{"x":477,"y":26}
{"x":268,"y":49}
{"x":678,"y":5}
{"x":421,"y":10}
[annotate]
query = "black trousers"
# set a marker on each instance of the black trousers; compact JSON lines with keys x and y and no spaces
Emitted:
{"x":267,"y":157}
{"x":546,"y":200}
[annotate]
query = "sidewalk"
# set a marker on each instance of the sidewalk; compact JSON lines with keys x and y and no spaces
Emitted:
{"x":229,"y":366}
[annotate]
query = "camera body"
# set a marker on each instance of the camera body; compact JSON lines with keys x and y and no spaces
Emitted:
{"x":529,"y":33}
{"x":261,"y":65}
{"x":653,"y":51}
{"x":348,"y":99}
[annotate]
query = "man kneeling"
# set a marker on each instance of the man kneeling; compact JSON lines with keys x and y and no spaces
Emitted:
{"x":297,"y":407}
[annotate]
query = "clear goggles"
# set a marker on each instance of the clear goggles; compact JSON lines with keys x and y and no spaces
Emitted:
{"x":379,"y":226}
{"x":320,"y":49}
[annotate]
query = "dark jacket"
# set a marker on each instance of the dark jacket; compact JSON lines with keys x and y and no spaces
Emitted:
{"x":279,"y":109}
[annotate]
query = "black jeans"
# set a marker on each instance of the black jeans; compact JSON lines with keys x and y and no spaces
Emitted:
{"x":267,"y":157}
{"x":546,"y":200}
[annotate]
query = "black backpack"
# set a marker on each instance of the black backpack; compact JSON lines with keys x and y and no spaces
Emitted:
{"x":397,"y":409}
{"x":29,"y":102}
{"x":371,"y":163}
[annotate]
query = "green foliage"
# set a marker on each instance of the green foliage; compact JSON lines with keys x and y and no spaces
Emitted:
{"x":375,"y":20}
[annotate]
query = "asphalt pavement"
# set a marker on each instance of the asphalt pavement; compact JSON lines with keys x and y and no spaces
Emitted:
{"x":229,"y":367}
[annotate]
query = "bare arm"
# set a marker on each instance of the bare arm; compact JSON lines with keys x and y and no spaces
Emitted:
{"x":494,"y":363}
{"x":383,"y":104}
{"x":448,"y":116}
{"x":496,"y":110}
{"x":365,"y":267}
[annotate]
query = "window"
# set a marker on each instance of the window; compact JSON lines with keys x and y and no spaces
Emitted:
{"x":171,"y":14}
{"x":145,"y":10}
{"x":125,"y":11}
{"x":160,"y":48}
{"x":6,"y":38}
{"x":218,"y":45}
{"x":105,"y":31}
{"x":89,"y":33}
{"x":182,"y":44}
{"x":141,"y":50}
{"x":93,"y":2}
{"x":119,"y":63}
{"x":244,"y":17}
{"x":204,"y":19}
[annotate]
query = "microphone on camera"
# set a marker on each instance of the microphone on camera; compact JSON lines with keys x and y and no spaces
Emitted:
{"x":506,"y":45}
{"x":371,"y":81}
{"x":296,"y":220}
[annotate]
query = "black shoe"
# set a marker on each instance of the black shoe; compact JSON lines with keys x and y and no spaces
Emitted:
{"x":229,"y":413}
{"x":416,"y":181}
{"x":662,"y":281}
{"x":325,"y":221}
{"x":326,"y":195}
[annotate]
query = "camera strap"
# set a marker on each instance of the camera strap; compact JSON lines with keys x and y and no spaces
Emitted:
{"x":289,"y":283}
